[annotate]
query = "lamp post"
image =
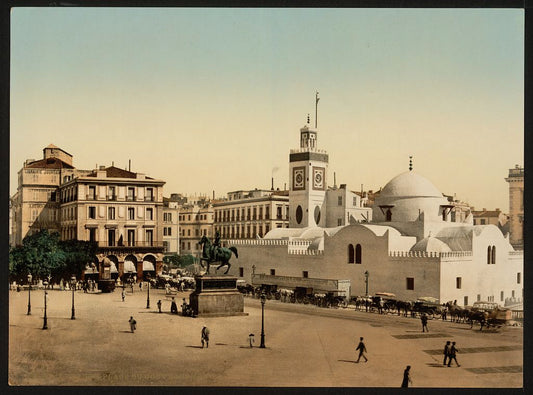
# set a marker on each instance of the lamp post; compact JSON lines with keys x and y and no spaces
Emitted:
{"x":263,"y":300}
{"x":45,"y":322}
{"x":73,"y":286}
{"x":29,"y":293}
{"x":366,"y":282}
{"x":148,"y":293}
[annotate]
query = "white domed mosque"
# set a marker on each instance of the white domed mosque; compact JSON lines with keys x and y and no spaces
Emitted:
{"x":412,"y":243}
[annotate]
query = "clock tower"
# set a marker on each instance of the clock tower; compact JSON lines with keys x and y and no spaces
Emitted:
{"x":308,"y":168}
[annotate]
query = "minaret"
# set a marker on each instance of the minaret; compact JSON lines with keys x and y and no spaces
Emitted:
{"x":308,"y":181}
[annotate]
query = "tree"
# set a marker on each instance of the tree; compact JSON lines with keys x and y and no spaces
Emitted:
{"x":39,"y":255}
{"x":42,"y":254}
{"x":78,"y":253}
{"x":176,"y":260}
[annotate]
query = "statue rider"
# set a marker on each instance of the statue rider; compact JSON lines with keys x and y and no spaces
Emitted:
{"x":216,"y":246}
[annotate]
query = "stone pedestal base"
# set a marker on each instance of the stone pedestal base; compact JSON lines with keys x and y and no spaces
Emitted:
{"x":106,"y":285}
{"x":216,"y":296}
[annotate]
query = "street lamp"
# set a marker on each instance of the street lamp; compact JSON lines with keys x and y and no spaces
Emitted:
{"x":263,"y":300}
{"x":73,"y":286}
{"x":29,"y":293}
{"x":148,"y":294}
{"x":45,"y":322}
{"x":366,"y":282}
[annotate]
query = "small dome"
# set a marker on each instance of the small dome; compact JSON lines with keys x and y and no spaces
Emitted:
{"x":431,"y":244}
{"x":410,"y":184}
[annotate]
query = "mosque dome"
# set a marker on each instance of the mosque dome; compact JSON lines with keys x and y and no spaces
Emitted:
{"x":408,"y":197}
{"x":431,"y":244}
{"x":410,"y":184}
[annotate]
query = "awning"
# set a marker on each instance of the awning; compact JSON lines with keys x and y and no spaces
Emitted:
{"x":113,"y":267}
{"x":385,"y":294}
{"x":148,"y":266}
{"x":129,"y":267}
{"x":429,"y":299}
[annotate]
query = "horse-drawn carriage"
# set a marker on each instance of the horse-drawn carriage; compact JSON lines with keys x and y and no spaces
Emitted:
{"x":488,"y":314}
{"x":427,"y":305}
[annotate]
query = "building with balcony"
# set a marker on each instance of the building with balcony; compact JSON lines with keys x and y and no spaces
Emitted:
{"x":120,"y":210}
{"x":195,"y":220}
{"x":252,"y":213}
{"x":35,"y":205}
{"x":171,"y":225}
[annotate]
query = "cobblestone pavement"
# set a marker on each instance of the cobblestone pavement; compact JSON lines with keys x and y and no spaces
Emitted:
{"x":305,"y":346}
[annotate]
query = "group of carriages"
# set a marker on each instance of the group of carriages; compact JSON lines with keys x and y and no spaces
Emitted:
{"x":297,"y":295}
{"x":484,"y":314}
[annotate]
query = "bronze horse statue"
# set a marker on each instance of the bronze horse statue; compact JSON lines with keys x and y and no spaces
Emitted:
{"x":212,"y":253}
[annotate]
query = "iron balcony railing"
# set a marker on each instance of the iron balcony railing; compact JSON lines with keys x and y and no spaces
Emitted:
{"x":130,"y":244}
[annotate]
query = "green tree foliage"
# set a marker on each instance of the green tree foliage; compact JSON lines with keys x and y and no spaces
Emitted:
{"x":178,"y":260}
{"x":42,"y":254}
{"x":78,"y":253}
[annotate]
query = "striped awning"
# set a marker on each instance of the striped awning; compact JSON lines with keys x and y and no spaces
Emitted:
{"x":148,"y":266}
{"x":129,"y":267}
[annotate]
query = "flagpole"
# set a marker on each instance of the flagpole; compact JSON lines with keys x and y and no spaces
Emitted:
{"x":316,"y":109}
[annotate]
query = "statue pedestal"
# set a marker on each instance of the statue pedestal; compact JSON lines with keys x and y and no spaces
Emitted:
{"x":216,"y":296}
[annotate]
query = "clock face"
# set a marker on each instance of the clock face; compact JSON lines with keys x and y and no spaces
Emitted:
{"x":298,"y":182}
{"x":318,"y":178}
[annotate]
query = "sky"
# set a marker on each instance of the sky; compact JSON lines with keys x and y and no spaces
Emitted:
{"x":213,"y":99}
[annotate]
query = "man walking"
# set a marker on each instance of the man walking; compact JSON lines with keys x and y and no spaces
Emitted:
{"x":133,"y":324}
{"x":205,"y":337}
{"x":406,"y":377}
{"x":362,"y":349}
{"x":424,"y":319}
{"x":446,"y":352}
{"x":453,"y":353}
{"x":123,"y":294}
{"x":159,"y":305}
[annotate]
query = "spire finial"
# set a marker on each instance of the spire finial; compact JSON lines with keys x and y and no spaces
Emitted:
{"x":308,"y":119}
{"x":410,"y":163}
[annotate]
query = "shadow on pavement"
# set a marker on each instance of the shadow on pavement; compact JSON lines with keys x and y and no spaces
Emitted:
{"x":345,"y":360}
{"x":125,"y":331}
{"x":435,"y":365}
{"x":194,"y":346}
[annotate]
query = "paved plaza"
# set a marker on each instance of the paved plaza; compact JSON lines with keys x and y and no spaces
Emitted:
{"x":305,"y":346}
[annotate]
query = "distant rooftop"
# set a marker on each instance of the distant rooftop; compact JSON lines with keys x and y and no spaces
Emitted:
{"x":115,"y":172}
{"x":49,"y":163}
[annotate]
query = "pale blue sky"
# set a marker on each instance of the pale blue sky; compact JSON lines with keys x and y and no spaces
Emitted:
{"x":213,"y":99}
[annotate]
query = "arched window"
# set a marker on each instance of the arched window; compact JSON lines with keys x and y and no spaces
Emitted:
{"x":351,"y":254}
{"x":489,"y":255}
{"x":358,"y":253}
{"x":493,"y":255}
{"x":389,"y":215}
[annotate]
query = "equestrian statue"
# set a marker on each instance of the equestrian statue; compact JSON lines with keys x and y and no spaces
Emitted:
{"x":213,"y":252}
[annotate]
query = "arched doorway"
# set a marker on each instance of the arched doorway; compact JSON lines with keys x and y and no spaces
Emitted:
{"x":130,"y":268}
{"x":149,"y":265}
{"x":114,"y":266}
